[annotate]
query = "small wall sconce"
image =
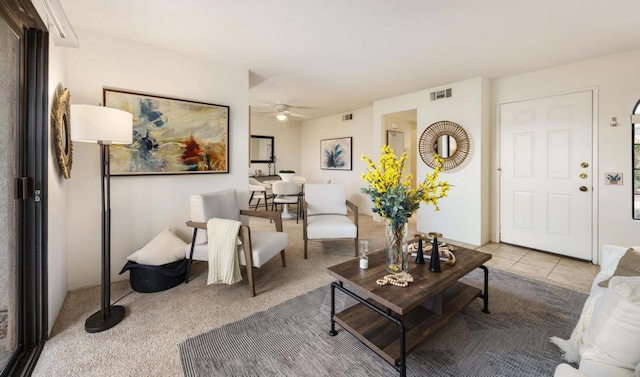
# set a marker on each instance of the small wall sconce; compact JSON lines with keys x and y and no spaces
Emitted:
{"x":614,"y":122}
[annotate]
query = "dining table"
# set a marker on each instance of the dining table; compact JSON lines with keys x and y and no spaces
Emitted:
{"x":286,"y":214}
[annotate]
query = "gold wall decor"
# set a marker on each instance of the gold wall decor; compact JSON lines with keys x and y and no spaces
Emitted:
{"x":62,"y":132}
{"x":449,"y":140}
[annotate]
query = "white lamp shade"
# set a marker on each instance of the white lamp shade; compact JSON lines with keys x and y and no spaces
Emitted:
{"x":99,"y":124}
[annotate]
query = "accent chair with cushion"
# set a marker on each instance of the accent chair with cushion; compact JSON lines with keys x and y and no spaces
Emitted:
{"x":257,"y":247}
{"x":325,"y":214}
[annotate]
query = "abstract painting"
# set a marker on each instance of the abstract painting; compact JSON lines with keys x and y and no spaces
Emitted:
{"x":335,"y":154}
{"x":170,"y":136}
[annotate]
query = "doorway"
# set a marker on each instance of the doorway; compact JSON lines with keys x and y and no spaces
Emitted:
{"x":400,"y":132}
{"x":546,"y":174}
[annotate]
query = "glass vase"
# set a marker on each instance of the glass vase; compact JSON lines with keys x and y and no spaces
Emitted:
{"x":397,"y":239}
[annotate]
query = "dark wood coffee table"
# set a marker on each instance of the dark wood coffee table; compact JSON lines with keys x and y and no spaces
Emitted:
{"x":394,"y":321}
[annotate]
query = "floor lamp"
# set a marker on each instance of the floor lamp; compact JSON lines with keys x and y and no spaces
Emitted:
{"x":104,"y":126}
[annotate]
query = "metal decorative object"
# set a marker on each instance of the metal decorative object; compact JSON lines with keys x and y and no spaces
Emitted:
{"x":436,"y":133}
{"x":420,"y":253}
{"x":62,"y":133}
{"x":434,"y":265}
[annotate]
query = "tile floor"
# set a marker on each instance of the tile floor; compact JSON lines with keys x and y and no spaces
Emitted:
{"x":550,"y":268}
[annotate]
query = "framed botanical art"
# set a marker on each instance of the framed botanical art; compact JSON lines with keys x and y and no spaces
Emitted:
{"x":335,"y":154}
{"x":395,"y":139}
{"x":170,"y":136}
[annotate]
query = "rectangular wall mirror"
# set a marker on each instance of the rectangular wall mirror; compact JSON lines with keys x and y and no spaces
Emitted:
{"x":262,"y":149}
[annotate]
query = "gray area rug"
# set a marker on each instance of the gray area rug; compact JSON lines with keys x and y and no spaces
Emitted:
{"x":291,"y":339}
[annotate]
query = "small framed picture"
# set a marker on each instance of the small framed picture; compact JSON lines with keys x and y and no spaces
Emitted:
{"x":395,"y":139}
{"x":613,"y":179}
{"x":335,"y":154}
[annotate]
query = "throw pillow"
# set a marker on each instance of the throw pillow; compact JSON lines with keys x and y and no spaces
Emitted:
{"x":165,"y":248}
{"x":613,"y":335}
{"x":629,"y":265}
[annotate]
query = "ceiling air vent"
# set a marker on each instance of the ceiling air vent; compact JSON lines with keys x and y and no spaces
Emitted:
{"x":441,"y":94}
{"x":347,"y":117}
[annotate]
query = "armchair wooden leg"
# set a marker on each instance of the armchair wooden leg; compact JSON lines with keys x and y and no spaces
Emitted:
{"x":356,"y":247}
{"x":252,"y":283}
{"x":246,"y":249}
{"x":284,"y":260}
{"x":305,"y":249}
{"x":265,"y":202}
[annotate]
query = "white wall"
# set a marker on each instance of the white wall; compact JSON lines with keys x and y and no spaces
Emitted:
{"x":617,"y":81}
{"x":142,"y":206}
{"x":286,"y":141}
{"x":359,"y":128}
{"x":56,"y":190}
{"x":57,"y":196}
{"x":461,"y":214}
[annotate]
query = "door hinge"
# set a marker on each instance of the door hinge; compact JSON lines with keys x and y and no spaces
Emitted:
{"x":22,"y":188}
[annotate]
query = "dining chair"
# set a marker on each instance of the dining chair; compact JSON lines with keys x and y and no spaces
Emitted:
{"x":286,"y":192}
{"x":256,"y":186}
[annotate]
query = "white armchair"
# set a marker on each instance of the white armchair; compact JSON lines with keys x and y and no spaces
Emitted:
{"x":325,"y":214}
{"x":257,"y":248}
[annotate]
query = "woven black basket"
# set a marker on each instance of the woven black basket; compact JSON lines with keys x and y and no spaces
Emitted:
{"x":147,"y":279}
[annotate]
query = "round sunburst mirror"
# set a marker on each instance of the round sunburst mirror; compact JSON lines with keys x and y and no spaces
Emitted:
{"x":62,"y":132}
{"x":449,"y":140}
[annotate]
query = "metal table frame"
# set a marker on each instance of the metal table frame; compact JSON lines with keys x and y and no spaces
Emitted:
{"x":388,"y":314}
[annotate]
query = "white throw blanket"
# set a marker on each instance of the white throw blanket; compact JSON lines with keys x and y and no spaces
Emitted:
{"x":223,"y":252}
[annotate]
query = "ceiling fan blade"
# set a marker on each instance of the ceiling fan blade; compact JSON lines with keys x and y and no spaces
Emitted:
{"x":299,"y":115}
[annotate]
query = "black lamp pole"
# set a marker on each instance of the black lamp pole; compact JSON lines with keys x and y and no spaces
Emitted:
{"x":108,"y":315}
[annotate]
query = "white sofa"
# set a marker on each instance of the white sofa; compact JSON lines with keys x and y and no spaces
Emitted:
{"x":574,"y":348}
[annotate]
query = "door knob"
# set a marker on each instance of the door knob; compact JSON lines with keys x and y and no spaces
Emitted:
{"x":583,"y":188}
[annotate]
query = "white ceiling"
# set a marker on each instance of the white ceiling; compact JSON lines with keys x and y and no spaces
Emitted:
{"x":340,"y":55}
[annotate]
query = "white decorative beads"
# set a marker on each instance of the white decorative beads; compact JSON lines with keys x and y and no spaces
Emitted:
{"x":399,"y":280}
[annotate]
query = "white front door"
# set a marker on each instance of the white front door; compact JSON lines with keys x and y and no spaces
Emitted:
{"x":546,"y":174}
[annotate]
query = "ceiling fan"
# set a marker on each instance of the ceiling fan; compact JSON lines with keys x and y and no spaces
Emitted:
{"x":280,"y":111}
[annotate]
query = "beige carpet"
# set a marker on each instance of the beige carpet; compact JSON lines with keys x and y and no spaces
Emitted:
{"x":146,"y":342}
